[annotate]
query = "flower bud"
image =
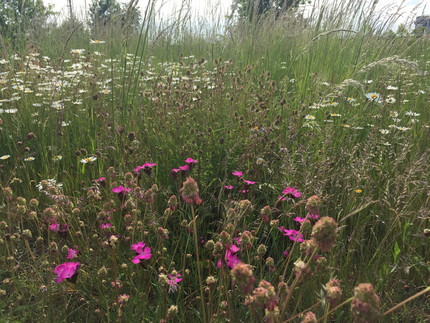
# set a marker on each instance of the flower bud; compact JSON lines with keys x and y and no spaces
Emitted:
{"x":261,"y":250}
{"x":34,"y":203}
{"x":173,"y":202}
{"x":211,"y":280}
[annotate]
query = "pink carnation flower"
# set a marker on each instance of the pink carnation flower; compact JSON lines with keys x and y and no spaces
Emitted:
{"x":66,"y":270}
{"x":237,"y":173}
{"x":190,"y":161}
{"x":121,"y":190}
{"x":72,"y":253}
{"x":290,"y":192}
{"x":142,"y":252}
{"x":54,"y":227}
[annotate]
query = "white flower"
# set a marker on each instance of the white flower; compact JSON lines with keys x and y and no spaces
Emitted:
{"x":259,"y":161}
{"x":374,"y":97}
{"x":4,"y":157}
{"x":402,"y":128}
{"x":390,"y":100}
{"x":412,"y":114}
{"x":96,"y":41}
{"x":88,"y":160}
{"x":392,"y":88}
{"x":309,"y":117}
{"x":384,"y":131}
{"x":58,"y":157}
{"x":29,"y":159}
{"x":77,"y":51}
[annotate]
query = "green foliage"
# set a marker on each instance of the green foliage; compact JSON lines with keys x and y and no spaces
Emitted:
{"x":105,"y":12}
{"x":20,"y":18}
{"x":252,"y":10}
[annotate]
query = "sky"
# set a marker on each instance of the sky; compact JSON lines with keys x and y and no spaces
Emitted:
{"x":202,"y":8}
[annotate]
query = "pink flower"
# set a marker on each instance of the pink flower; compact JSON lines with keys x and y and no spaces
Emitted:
{"x":294,"y":235}
{"x":123,"y":298}
{"x":313,"y":216}
{"x":229,"y":187}
{"x":141,"y":253}
{"x":105,"y":225}
{"x":184,"y":168}
{"x":190,"y":161}
{"x":174,"y":171}
{"x":290,"y":192}
{"x":247,"y":183}
{"x":173,"y":282}
{"x":147,"y":168}
{"x":299,"y":219}
{"x":54,"y":227}
{"x":121,"y":189}
{"x":66,"y":270}
{"x":230,"y":258}
{"x":237,"y":173}
{"x":72,"y":253}
{"x":234,"y":248}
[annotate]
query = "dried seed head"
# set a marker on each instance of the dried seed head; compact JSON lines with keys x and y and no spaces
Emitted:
{"x":324,"y":233}
{"x":365,"y":305}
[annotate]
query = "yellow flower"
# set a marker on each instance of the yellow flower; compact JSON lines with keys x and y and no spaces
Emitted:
{"x":358,"y":191}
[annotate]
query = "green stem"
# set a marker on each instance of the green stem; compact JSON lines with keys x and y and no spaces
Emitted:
{"x":198,"y":263}
{"x":333,"y":310}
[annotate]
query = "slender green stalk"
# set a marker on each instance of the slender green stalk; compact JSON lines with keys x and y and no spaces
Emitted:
{"x":202,"y":296}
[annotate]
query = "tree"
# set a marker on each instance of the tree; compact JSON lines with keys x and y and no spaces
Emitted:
{"x":17,"y":17}
{"x":254,"y":9}
{"x":104,"y":12}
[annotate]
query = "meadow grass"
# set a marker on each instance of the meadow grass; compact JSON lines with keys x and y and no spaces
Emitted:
{"x":291,"y":129}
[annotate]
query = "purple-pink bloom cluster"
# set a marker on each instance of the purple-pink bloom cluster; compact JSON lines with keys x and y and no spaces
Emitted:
{"x":121,"y":190}
{"x":72,"y":253}
{"x":147,"y":168}
{"x":290,"y":192}
{"x":230,"y":257}
{"x":190,"y":162}
{"x":66,"y":270}
{"x":142,"y":252}
{"x":294,"y":235}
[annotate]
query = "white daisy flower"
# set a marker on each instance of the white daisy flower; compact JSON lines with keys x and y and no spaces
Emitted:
{"x":88,"y":160}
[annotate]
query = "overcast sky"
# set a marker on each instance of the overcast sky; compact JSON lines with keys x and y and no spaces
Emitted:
{"x":203,"y":7}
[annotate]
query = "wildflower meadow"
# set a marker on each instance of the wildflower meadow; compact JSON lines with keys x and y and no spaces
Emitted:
{"x":216,"y":169}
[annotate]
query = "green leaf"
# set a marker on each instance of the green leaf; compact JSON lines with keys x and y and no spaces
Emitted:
{"x":396,"y":252}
